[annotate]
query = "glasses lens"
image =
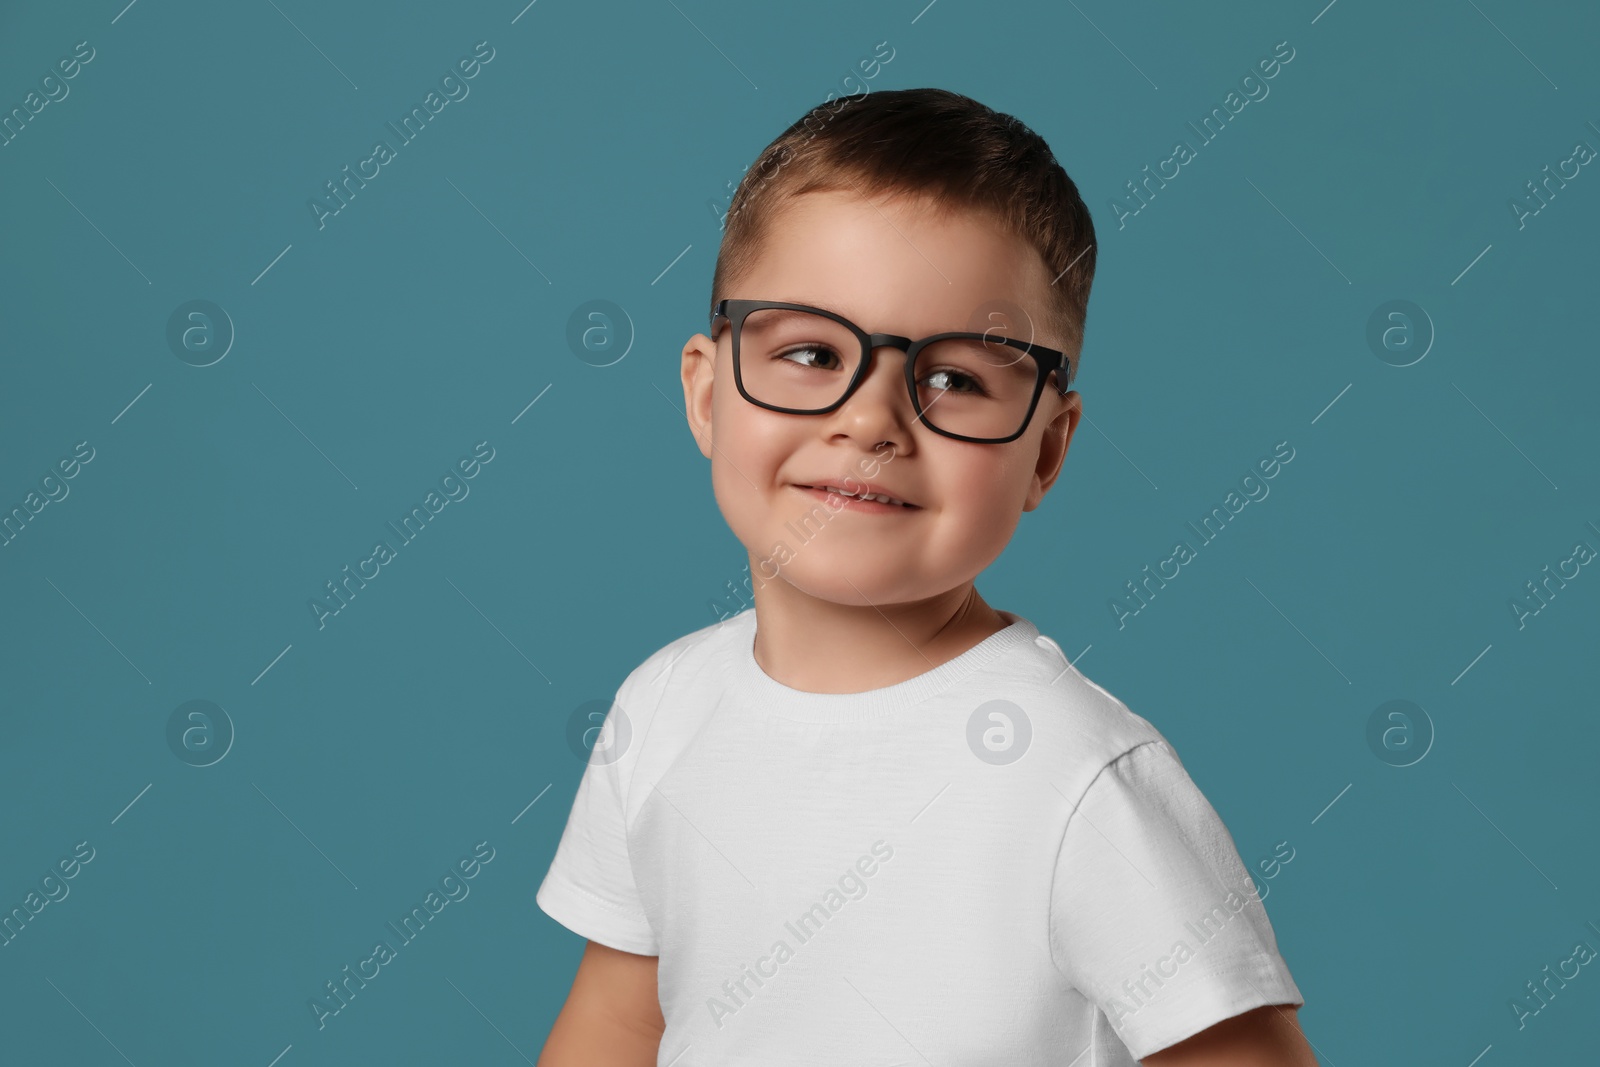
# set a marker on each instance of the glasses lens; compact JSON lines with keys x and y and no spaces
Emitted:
{"x":975,"y":387}
{"x":796,"y":359}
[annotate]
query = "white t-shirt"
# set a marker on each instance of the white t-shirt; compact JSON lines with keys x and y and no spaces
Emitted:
{"x":993,"y":862}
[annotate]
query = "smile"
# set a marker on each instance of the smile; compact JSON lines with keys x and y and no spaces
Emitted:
{"x":880,"y":500}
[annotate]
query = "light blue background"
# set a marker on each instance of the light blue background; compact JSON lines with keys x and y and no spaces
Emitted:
{"x":427,"y":315}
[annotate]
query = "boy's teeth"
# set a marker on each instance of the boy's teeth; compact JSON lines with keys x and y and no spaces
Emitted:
{"x":863,"y":496}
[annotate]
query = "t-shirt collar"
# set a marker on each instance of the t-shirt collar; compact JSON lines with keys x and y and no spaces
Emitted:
{"x":761,"y":692}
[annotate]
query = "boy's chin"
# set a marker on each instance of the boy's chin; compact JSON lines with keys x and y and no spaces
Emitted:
{"x":853,"y":585}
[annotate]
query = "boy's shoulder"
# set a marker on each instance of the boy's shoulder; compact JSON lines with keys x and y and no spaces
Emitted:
{"x":686,"y":658}
{"x":1078,"y":720}
{"x":692,"y":669}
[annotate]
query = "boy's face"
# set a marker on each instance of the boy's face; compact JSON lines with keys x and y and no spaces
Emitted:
{"x":890,"y":266}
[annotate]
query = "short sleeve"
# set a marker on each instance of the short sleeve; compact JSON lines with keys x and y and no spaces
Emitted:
{"x":589,"y":887}
{"x":1153,"y":916}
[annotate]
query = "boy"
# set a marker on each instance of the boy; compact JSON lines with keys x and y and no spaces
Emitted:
{"x":875,"y":820}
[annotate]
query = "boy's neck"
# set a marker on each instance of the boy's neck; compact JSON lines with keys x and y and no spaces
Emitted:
{"x":818,"y":646}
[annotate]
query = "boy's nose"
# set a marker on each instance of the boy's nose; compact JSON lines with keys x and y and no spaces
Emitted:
{"x":881,"y":400}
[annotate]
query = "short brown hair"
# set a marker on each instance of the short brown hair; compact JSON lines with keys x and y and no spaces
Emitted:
{"x":933,"y":144}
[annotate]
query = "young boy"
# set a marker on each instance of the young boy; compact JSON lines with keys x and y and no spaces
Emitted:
{"x":875,"y":820}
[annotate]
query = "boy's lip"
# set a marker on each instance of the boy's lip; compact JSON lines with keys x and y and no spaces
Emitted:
{"x":857,"y":486}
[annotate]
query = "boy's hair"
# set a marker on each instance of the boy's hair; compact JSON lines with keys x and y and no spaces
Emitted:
{"x":933,"y":144}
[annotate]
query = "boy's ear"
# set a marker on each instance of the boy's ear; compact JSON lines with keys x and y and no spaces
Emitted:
{"x":698,"y":371}
{"x":1053,"y":449}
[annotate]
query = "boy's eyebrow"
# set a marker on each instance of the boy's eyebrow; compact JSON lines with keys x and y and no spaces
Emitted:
{"x":841,"y":314}
{"x":809,"y":304}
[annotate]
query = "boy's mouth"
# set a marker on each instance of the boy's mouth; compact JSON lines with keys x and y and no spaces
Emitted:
{"x":884,"y":500}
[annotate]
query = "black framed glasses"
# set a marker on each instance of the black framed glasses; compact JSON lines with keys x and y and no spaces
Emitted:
{"x":803,"y":360}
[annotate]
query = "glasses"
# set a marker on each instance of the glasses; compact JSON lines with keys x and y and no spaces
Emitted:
{"x":802,"y":360}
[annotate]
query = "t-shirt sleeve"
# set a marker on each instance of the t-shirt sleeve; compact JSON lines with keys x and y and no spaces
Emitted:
{"x":590,"y":887}
{"x":1152,"y":914}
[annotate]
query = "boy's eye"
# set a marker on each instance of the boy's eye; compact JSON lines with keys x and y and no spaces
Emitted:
{"x":811,"y":356}
{"x":954,"y":381}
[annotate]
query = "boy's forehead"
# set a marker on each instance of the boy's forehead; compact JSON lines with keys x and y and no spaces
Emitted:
{"x":900,"y":264}
{"x":892,"y":222}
